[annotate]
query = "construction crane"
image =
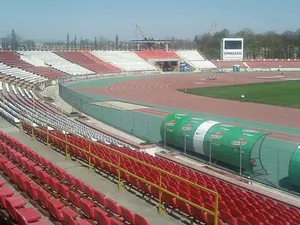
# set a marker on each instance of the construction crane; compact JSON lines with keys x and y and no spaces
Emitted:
{"x":150,"y":45}
{"x":141,"y":31}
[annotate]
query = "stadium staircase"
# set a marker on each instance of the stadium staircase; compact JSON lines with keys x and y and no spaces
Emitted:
{"x":246,"y":65}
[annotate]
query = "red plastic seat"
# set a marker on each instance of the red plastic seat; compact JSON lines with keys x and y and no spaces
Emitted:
{"x":44,"y":197}
{"x":83,"y":222}
{"x":16,"y":200}
{"x":63,"y":191}
{"x":32,"y":190}
{"x":88,"y":208}
{"x":253,"y":220}
{"x":127,"y":215}
{"x":6,"y":192}
{"x":243,"y":222}
{"x":79,"y":184}
{"x":100,"y":198}
{"x":36,"y":171}
{"x":228,"y":218}
{"x":101,"y":216}
{"x":114,"y":221}
{"x":168,"y":199}
{"x":90,"y":191}
{"x":184,"y":207}
{"x":113,"y":206}
{"x":29,"y":214}
{"x":53,"y":183}
{"x":22,"y":221}
{"x":139,"y":220}
{"x":74,"y":198}
{"x":70,"y":179}
{"x":55,"y":209}
{"x":69,"y":216}
{"x":236,"y":213}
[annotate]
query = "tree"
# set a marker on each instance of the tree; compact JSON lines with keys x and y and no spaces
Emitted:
{"x":75,"y":43}
{"x":68,"y":42}
{"x":117,"y":41}
{"x":95,"y":44}
{"x":14,"y":42}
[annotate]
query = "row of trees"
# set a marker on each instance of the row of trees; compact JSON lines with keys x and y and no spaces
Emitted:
{"x":256,"y":45}
{"x":15,"y":42}
{"x":269,"y":45}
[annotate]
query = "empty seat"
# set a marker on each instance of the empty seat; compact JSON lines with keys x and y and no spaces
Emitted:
{"x":113,"y":206}
{"x":29,"y":215}
{"x":88,"y":208}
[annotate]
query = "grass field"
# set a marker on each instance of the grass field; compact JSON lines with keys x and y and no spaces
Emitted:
{"x":285,"y":93}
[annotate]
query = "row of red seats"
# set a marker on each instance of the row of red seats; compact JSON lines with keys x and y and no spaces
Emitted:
{"x":224,"y":64}
{"x":236,"y":204}
{"x":273,"y":63}
{"x":83,"y":59}
{"x":148,"y":174}
{"x":92,"y":203}
{"x":157,"y":54}
{"x":111,"y":67}
{"x":28,"y":184}
{"x":16,"y":205}
{"x":12,"y":59}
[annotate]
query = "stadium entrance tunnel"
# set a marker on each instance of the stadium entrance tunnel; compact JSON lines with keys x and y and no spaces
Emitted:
{"x":232,"y":145}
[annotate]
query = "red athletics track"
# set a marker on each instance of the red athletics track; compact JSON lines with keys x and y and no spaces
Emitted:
{"x":161,"y":90}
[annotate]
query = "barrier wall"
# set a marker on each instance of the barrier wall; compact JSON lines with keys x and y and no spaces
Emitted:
{"x":144,"y":126}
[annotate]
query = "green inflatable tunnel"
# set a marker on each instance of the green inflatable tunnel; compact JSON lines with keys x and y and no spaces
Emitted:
{"x":294,"y":168}
{"x":222,"y":141}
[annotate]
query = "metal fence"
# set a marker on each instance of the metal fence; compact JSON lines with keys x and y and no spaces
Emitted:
{"x":144,"y":126}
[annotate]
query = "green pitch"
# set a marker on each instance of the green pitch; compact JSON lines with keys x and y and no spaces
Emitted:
{"x":285,"y":93}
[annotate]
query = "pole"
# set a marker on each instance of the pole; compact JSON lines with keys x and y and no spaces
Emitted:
{"x":47,"y":135}
{"x":278,"y":164}
{"x":165,"y":135}
{"x":121,"y":118}
{"x":241,"y":162}
{"x":160,"y":205}
{"x":147,"y":121}
{"x":210,"y":146}
{"x":90,"y":157}
{"x":185,"y":141}
{"x":133,"y":122}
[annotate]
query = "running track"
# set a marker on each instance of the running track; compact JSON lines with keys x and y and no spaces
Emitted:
{"x":162,"y":90}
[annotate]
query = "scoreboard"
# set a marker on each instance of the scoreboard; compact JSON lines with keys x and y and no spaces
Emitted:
{"x":232,"y":49}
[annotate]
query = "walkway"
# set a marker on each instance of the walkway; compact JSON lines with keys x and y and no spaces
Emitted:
{"x":132,"y":202}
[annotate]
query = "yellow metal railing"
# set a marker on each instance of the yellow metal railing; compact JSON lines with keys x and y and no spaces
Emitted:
{"x":36,"y":132}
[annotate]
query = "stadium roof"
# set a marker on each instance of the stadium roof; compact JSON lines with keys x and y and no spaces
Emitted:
{"x":151,"y":41}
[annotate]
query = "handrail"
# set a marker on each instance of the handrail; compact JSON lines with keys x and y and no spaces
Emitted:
{"x":118,"y":166}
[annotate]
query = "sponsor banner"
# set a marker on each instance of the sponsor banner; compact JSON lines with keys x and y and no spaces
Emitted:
{"x":233,"y":55}
{"x":236,"y":144}
{"x":216,"y":136}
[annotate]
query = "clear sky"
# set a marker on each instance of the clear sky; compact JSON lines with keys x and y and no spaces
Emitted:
{"x":52,"y":19}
